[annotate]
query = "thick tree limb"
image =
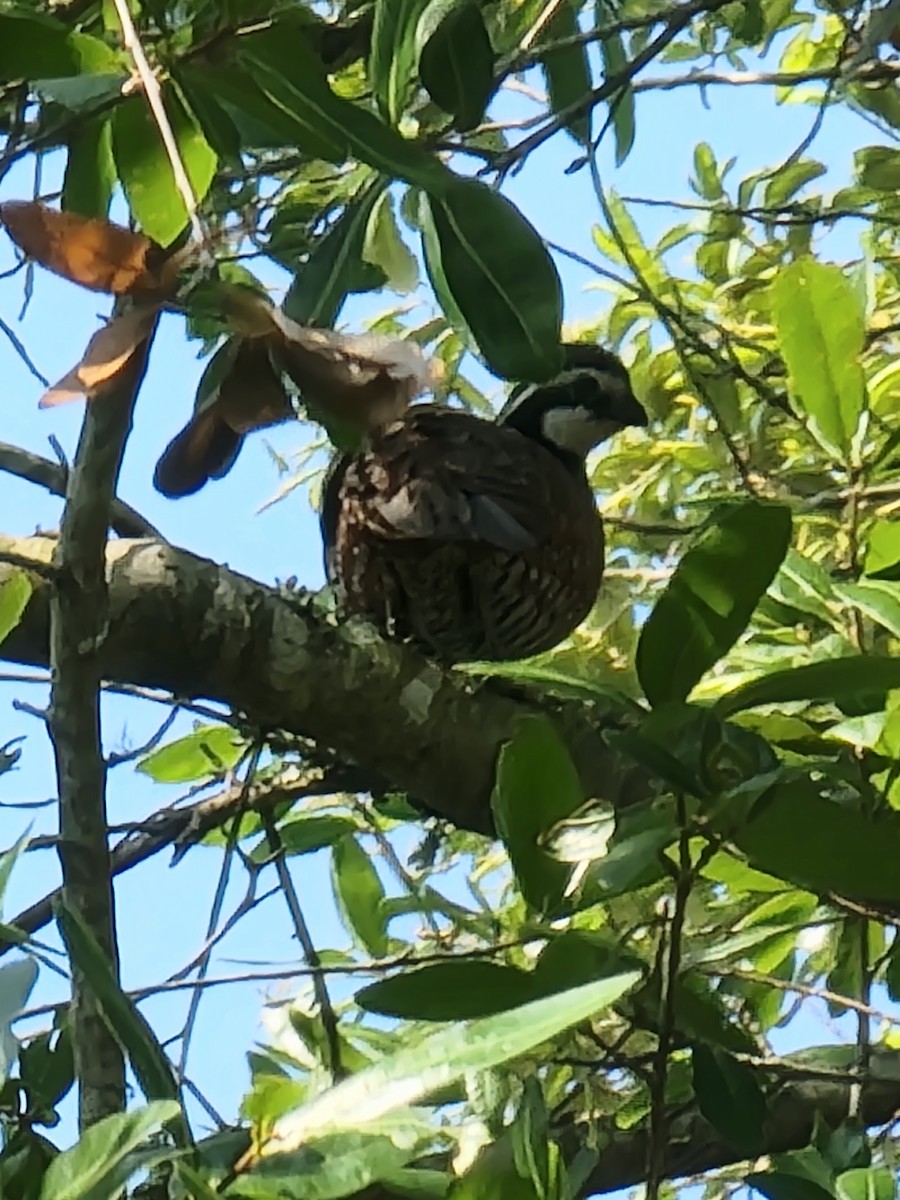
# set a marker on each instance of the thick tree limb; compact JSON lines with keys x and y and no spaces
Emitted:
{"x":189,"y":626}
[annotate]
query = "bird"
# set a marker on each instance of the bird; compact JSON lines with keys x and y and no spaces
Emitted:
{"x":479,"y":540}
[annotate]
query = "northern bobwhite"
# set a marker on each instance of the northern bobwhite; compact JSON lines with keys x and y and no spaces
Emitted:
{"x":475,"y":539}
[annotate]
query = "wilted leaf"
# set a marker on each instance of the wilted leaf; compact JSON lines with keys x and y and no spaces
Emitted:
{"x":502,"y":278}
{"x":822,"y":329}
{"x":536,"y":786}
{"x":108,"y":353}
{"x":91,"y":252}
{"x":711,"y":597}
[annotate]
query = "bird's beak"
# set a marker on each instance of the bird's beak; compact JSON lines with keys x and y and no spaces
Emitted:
{"x":623,"y":407}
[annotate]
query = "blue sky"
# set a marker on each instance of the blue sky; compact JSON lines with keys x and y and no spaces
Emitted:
{"x":163,"y":912}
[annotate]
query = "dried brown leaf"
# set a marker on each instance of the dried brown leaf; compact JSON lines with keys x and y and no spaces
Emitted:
{"x":106,"y":354}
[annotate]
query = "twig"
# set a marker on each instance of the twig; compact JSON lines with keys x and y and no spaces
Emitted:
{"x":310,"y":953}
{"x":44,"y":569}
{"x":116,"y":760}
{"x":19,"y":348}
{"x":126,"y":521}
{"x":218,"y":901}
{"x":155,"y":100}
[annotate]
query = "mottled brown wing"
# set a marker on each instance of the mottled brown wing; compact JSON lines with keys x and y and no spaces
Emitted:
{"x":446,"y":476}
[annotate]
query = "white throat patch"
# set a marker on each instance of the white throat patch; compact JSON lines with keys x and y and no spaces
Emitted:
{"x":577,"y":430}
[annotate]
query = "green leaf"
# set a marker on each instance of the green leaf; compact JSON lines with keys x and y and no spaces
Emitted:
{"x":536,"y":786}
{"x":837,"y":680}
{"x":384,"y":248}
{"x":867,"y":1183}
{"x":568,"y":73}
{"x":8,"y":860}
{"x":456,"y":64}
{"x":305,"y":834}
{"x":780,"y":1185}
{"x":90,"y":170}
{"x":16,"y":983}
{"x":47,"y":1067}
{"x":878,"y":167}
{"x":443,"y":1057}
{"x":883,"y":550}
{"x":354,"y":130}
{"x":335,"y":268}
{"x":107,"y":1154}
{"x":501,"y":277}
{"x":15,"y":592}
{"x":148,"y":1060}
{"x":38,"y":47}
{"x":729,"y":1097}
{"x":80,"y":93}
{"x":877,"y":599}
{"x":145,"y":170}
{"x":621,"y":105}
{"x":790,"y":180}
{"x":711,"y":597}
{"x":821,"y":326}
{"x":451,"y":991}
{"x":392,"y":55}
{"x":209,"y":750}
{"x":707,"y":182}
{"x":844,"y":850}
{"x":359,"y":895}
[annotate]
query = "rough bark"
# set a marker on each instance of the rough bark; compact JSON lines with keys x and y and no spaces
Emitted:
{"x":184,"y":624}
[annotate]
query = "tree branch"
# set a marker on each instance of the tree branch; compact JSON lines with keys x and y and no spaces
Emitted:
{"x":191,"y":627}
{"x":78,"y":615}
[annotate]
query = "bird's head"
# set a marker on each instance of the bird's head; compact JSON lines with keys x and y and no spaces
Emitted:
{"x":589,"y":401}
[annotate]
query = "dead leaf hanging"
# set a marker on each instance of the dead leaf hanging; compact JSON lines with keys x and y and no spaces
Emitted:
{"x":106,"y":355}
{"x":93,"y":253}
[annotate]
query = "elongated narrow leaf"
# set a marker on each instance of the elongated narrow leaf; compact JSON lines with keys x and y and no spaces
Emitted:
{"x":148,"y":1060}
{"x":568,"y":73}
{"x":821,"y":330}
{"x":451,"y":991}
{"x":877,"y":599}
{"x":839,"y":680}
{"x":145,"y":170}
{"x":711,"y":597}
{"x":107,"y":1154}
{"x":502,"y":278}
{"x":621,"y":105}
{"x":15,"y":592}
{"x":456,"y":64}
{"x":335,"y":268}
{"x":392,"y":57}
{"x":359,"y":895}
{"x":354,"y":130}
{"x":439,"y":1060}
{"x":209,"y":750}
{"x":536,"y":786}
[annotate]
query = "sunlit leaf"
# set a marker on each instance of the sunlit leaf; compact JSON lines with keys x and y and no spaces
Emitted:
{"x":209,"y":750}
{"x":821,"y":331}
{"x":15,"y":592}
{"x":108,"y":1154}
{"x":360,"y":895}
{"x":851,"y":678}
{"x":711,"y":597}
